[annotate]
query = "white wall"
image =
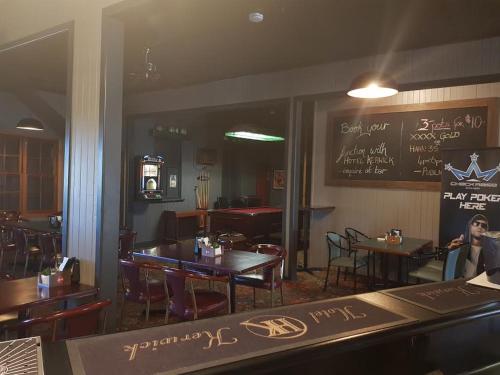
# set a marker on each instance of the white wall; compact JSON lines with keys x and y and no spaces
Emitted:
{"x":374,"y":210}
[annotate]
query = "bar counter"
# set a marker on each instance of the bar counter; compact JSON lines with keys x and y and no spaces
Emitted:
{"x":449,"y":326}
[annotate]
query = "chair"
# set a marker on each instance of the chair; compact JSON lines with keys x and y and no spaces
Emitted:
{"x":354,"y":236}
{"x":142,"y":290}
{"x":271,"y":276}
{"x":452,"y":266}
{"x":126,"y":243}
{"x":57,"y":238}
{"x":7,"y":245}
{"x":79,"y":321}
{"x":342,"y":257}
{"x":48,"y":251}
{"x":194,"y":304}
{"x":24,"y":248}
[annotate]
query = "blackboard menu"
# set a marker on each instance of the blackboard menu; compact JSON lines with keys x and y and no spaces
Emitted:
{"x":401,"y":143}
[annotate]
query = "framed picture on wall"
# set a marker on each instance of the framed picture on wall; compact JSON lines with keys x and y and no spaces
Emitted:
{"x":279,"y":179}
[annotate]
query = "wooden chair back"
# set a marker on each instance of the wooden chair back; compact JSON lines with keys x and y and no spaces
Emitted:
{"x":80,"y":321}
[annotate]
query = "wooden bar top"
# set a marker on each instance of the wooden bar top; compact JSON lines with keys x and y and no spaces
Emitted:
{"x":287,"y":339}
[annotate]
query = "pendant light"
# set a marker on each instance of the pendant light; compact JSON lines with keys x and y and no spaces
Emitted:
{"x":372,"y":85}
{"x":30,"y":124}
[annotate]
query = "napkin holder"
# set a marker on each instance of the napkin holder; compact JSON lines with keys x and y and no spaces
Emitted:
{"x":393,"y":240}
{"x":59,"y":278}
{"x":209,"y":251}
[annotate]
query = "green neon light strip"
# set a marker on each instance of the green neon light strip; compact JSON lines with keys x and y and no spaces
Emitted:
{"x":255,"y":136}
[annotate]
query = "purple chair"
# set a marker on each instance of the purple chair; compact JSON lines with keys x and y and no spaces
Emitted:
{"x":138,"y":289}
{"x":271,"y":277}
{"x":192,"y":304}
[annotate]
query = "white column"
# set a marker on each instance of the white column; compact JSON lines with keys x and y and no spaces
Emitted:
{"x":85,"y":101}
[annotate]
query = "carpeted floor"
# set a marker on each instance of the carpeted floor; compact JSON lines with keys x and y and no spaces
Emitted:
{"x":307,"y":287}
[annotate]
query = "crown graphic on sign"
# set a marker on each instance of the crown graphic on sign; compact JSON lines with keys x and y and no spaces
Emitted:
{"x":473,"y":167}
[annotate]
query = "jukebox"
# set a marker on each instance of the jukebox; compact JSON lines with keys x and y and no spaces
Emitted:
{"x":150,"y":183}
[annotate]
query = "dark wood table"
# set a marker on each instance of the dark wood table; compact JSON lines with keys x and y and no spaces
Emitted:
{"x":407,"y":248}
{"x":233,"y":262}
{"x":22,"y":294}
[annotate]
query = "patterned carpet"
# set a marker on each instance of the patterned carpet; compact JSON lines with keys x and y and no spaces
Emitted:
{"x":307,"y":287}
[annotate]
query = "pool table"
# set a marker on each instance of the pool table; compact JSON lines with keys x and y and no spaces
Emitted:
{"x":251,"y":221}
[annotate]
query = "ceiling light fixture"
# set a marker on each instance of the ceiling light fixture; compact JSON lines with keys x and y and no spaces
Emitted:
{"x":251,"y":133}
{"x":256,"y":17}
{"x":372,"y":85}
{"x":150,"y":72}
{"x":30,"y":124}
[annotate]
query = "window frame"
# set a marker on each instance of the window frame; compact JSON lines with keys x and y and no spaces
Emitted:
{"x":23,"y":174}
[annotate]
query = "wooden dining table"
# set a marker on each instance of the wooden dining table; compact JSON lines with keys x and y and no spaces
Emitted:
{"x":23,"y":294}
{"x":231,"y":263}
{"x":407,"y":248}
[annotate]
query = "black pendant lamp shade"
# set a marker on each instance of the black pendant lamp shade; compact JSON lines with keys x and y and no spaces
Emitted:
{"x":30,"y":124}
{"x":372,"y":85}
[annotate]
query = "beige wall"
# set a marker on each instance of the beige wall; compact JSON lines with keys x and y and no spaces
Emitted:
{"x":374,"y":210}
